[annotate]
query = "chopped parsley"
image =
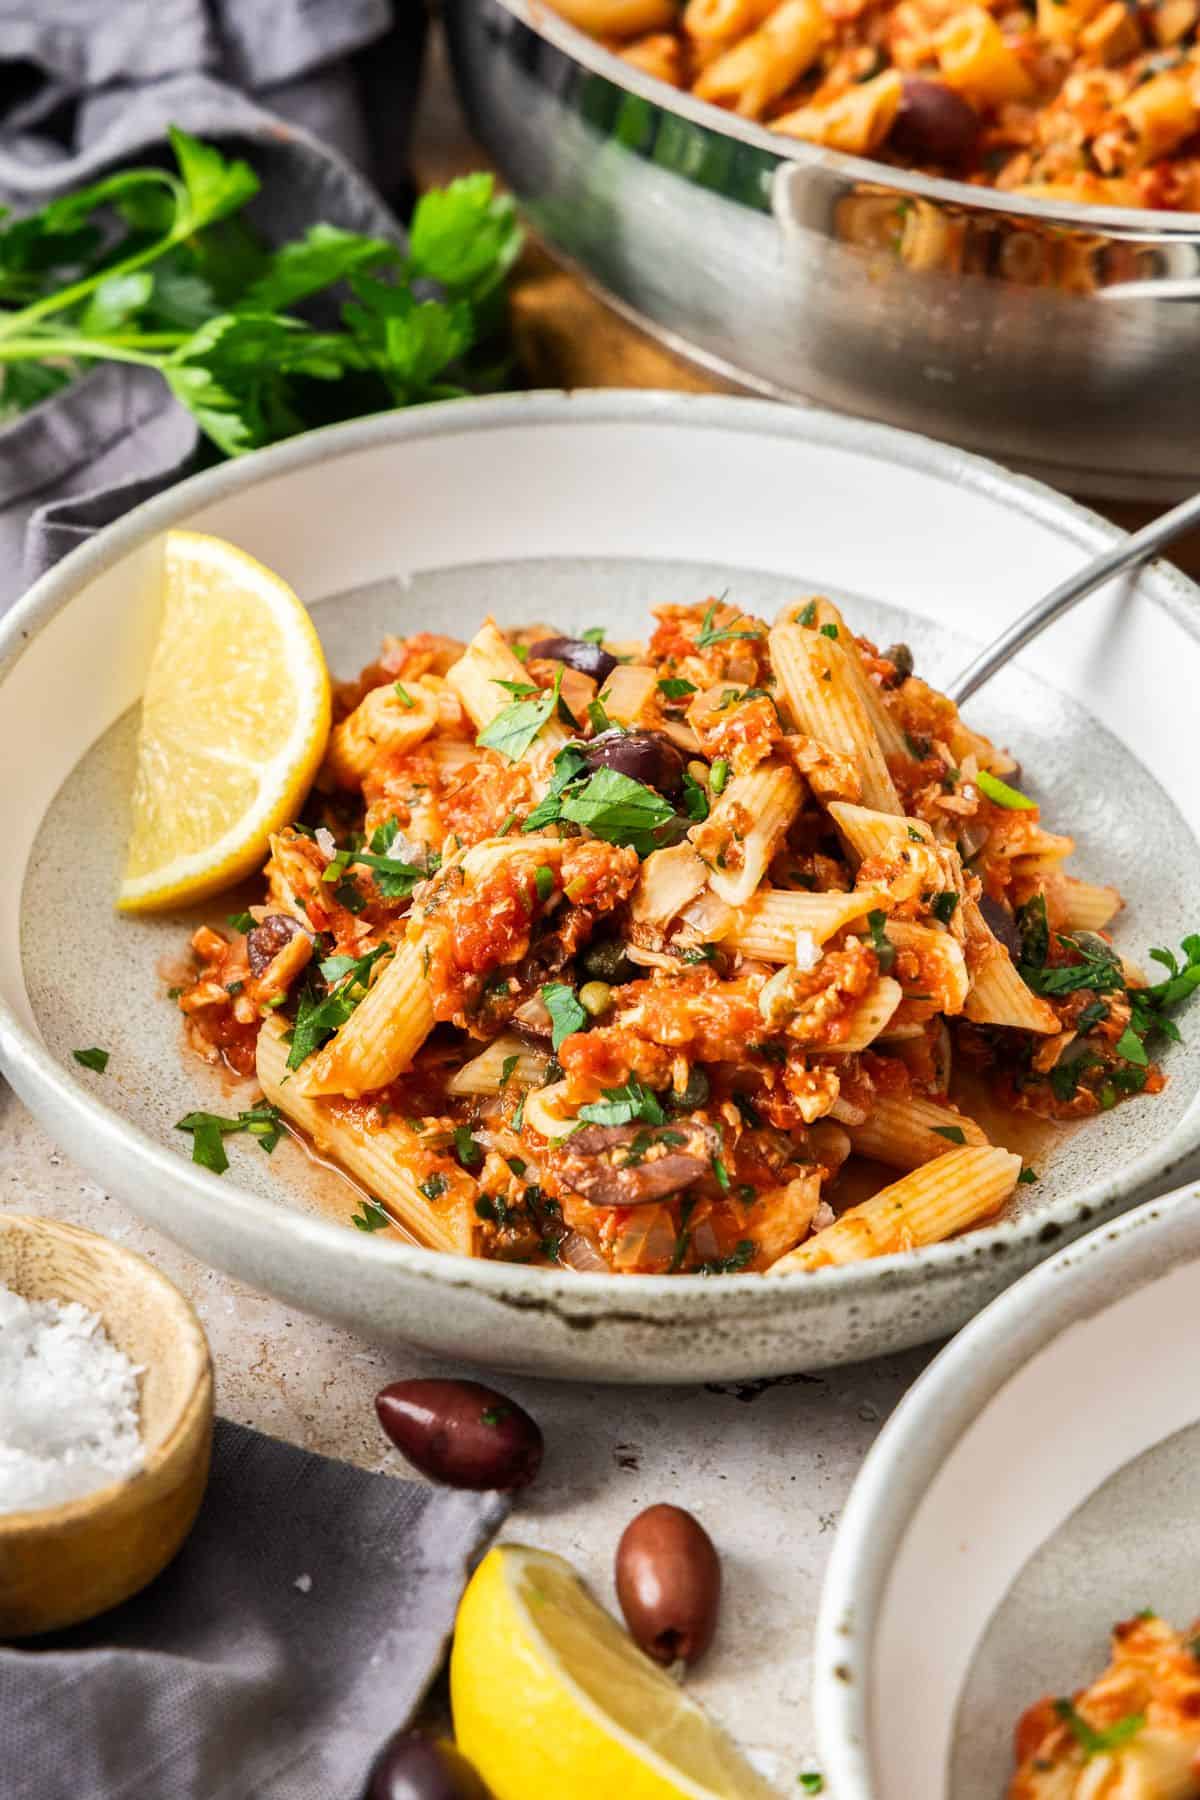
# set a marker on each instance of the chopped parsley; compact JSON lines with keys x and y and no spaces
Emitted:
{"x":512,"y":731}
{"x":686,"y":1209}
{"x":807,"y":614}
{"x":566,"y":1014}
{"x":1093,"y":1742}
{"x":739,"y":1258}
{"x":944,"y":906}
{"x":673,"y":687}
{"x":695,"y":800}
{"x":625,"y":1105}
{"x":208,"y":1130}
{"x":95,"y":1058}
{"x":829,"y":631}
{"x":1027,"y":1177}
{"x":241,"y":921}
{"x":1000,"y":794}
{"x":507,"y":1069}
{"x":570,"y":763}
{"x":953,"y":1134}
{"x":543,"y":881}
{"x":597,"y":716}
{"x":884,"y":949}
{"x":371,"y":1218}
{"x":721,"y":1172}
{"x":319,"y":1016}
{"x":468,"y":1152}
{"x":812,"y":1783}
{"x":1130,"y":1046}
{"x":618,"y":809}
{"x":593,"y":635}
{"x":708,"y":635}
{"x":1094,"y":1013}
{"x":433,"y":1186}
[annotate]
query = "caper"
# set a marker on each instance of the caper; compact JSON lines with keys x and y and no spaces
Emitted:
{"x":595,"y":997}
{"x":694,"y":1094}
{"x":605,"y":960}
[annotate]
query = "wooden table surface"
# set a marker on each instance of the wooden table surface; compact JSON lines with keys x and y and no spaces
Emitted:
{"x":567,"y":337}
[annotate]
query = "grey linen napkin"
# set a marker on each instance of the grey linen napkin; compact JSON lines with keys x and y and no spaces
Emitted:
{"x":317,"y":94}
{"x":297,"y":1628}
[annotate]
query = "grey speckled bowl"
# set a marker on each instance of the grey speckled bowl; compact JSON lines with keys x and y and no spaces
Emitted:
{"x":1035,"y":1486}
{"x":576,"y":510}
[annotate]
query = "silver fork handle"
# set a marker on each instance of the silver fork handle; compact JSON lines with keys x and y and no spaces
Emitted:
{"x":1144,"y":543}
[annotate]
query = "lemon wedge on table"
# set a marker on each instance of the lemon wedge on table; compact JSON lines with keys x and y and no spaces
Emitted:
{"x":235,"y":716}
{"x":553,"y":1701}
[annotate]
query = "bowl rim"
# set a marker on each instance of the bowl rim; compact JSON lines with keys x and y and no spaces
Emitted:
{"x":680,"y":1296}
{"x":1140,"y":222}
{"x":933,"y":1415}
{"x":179,"y":1436}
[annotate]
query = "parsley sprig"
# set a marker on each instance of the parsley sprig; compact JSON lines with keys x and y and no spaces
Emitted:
{"x":155,"y":267}
{"x":209,"y":1129}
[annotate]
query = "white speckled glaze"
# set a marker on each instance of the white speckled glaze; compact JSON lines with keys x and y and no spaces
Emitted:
{"x":1036,"y":1485}
{"x":575,"y":510}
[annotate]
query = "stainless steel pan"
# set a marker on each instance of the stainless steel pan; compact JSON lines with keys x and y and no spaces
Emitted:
{"x":1062,"y":339}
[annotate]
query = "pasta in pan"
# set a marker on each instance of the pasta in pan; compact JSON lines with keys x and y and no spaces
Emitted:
{"x":614,"y":955}
{"x":1090,"y":100}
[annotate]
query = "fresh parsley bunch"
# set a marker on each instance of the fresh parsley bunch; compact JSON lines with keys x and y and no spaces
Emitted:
{"x":156,"y":267}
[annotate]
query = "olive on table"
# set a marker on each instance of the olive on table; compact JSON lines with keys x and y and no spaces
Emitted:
{"x":265,"y":940}
{"x":577,"y":653}
{"x":461,"y":1433}
{"x":645,"y":756}
{"x":933,"y":123}
{"x":669,"y":1583}
{"x":410,"y":1767}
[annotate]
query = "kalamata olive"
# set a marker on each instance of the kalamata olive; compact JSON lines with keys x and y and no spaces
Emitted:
{"x":577,"y":653}
{"x":645,"y":756}
{"x":265,"y":941}
{"x":933,"y":123}
{"x":999,"y":920}
{"x":630,"y":1165}
{"x":669,"y":1583}
{"x":605,"y":960}
{"x":416,"y":1768}
{"x":462,"y":1433}
{"x":901,"y":659}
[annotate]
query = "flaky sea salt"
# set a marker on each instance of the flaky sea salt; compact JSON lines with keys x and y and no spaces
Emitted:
{"x":68,"y":1404}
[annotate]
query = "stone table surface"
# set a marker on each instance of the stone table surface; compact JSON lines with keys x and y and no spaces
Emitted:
{"x":766,"y":1466}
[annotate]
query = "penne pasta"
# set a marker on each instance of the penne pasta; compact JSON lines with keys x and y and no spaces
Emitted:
{"x":931,"y":1203}
{"x":906,"y":1131}
{"x":386,"y":722}
{"x":823,"y":698}
{"x":506,"y":1059}
{"x":380,"y":1039}
{"x":378,"y":1156}
{"x":761,"y":67}
{"x":745,"y":828}
{"x":776,"y":920}
{"x":477,"y":678}
{"x":1085,"y":907}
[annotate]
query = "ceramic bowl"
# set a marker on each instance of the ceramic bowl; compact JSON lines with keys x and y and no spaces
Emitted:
{"x":1035,"y":1486}
{"x":60,"y":1565}
{"x":578,"y":509}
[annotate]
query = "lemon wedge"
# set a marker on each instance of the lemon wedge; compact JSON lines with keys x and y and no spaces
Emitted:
{"x":234,"y":721}
{"x":551,"y":1698}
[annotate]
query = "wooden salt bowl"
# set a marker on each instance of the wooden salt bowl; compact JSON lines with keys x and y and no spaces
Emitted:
{"x":62,"y":1564}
